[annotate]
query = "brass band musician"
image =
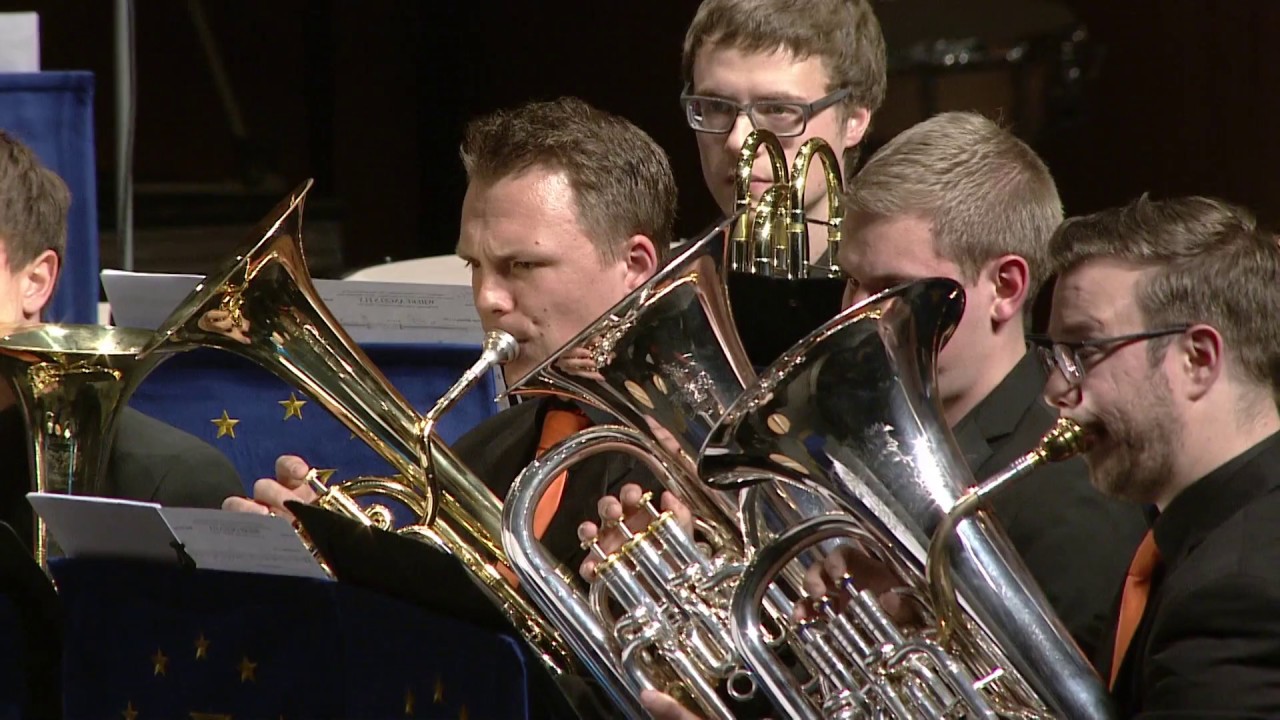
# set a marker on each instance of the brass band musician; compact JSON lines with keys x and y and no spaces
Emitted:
{"x":149,"y":460}
{"x":1164,"y":344}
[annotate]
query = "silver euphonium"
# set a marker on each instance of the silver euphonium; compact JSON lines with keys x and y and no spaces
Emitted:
{"x":667,"y":363}
{"x":853,"y":410}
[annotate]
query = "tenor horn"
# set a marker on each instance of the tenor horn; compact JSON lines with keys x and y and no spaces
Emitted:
{"x":853,"y":410}
{"x":263,"y":306}
{"x":777,"y":291}
{"x":772,"y":239}
{"x":71,"y":383}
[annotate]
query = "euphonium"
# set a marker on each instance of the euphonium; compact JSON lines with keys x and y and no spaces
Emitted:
{"x":71,"y":382}
{"x":263,"y":306}
{"x":773,"y":238}
{"x":853,"y":410}
{"x":665,"y":361}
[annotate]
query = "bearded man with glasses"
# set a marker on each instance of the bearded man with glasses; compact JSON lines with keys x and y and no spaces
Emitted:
{"x":1165,"y":346}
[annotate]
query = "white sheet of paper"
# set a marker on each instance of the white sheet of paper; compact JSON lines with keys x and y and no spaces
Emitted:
{"x":371,"y":312}
{"x":215,"y":539}
{"x":19,"y":42}
{"x":105,"y":527}
{"x":240,"y":542}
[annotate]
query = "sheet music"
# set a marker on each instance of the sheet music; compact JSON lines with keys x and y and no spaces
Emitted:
{"x":214,"y":539}
{"x":371,"y":312}
{"x":105,"y":527}
{"x":240,"y":542}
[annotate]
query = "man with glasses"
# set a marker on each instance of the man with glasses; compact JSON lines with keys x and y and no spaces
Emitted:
{"x":958,"y":197}
{"x":816,"y":70}
{"x":1165,"y":346}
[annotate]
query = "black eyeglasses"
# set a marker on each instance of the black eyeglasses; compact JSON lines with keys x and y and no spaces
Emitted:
{"x":1073,"y":358}
{"x":784,"y":119}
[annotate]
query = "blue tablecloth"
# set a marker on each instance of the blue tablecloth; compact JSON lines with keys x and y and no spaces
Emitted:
{"x":52,"y":112}
{"x":163,"y":642}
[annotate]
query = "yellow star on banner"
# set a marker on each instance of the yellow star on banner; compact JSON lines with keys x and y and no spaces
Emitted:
{"x":161,"y":662}
{"x":202,"y":648}
{"x":129,"y":713}
{"x":408,"y":702}
{"x":226,"y":425}
{"x":292,"y":406}
{"x":247,"y":668}
{"x":439,"y":694}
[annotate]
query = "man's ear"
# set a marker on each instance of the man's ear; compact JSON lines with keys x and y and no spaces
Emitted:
{"x":1199,"y":358}
{"x":855,"y":126}
{"x":37,"y":281}
{"x":1010,"y":279}
{"x":640,"y":260}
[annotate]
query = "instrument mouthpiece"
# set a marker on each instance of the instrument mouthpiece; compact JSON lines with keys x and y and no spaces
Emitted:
{"x":502,"y":345}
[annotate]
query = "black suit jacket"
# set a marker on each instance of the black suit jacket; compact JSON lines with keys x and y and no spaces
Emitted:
{"x":149,"y":461}
{"x":1075,"y":541}
{"x":501,"y":446}
{"x":1208,"y":645}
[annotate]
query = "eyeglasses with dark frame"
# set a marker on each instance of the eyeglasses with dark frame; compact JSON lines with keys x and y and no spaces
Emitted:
{"x":785,"y":119}
{"x":1074,"y":358}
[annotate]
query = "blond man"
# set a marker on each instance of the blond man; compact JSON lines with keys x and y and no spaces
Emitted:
{"x":957,"y":196}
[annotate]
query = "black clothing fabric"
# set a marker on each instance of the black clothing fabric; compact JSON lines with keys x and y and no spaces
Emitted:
{"x":149,"y":461}
{"x":1075,"y":541}
{"x":1208,"y":644}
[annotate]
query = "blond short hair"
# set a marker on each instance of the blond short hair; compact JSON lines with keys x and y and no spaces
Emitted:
{"x":621,"y":179}
{"x":1212,"y":262}
{"x":983,"y":191}
{"x":33,"y":205}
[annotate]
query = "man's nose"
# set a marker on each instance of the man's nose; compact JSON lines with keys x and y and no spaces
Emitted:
{"x":738,"y":133}
{"x":1059,"y":392}
{"x":489,"y":293}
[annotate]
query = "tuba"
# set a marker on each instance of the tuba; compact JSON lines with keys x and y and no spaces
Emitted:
{"x":667,"y":364}
{"x":263,"y":306}
{"x":72,"y":382}
{"x":853,"y":410}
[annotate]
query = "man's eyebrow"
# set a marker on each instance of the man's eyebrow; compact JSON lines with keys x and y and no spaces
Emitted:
{"x":1077,"y":328}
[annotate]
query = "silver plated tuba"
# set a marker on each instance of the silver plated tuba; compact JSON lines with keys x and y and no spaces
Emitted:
{"x":853,"y":410}
{"x":667,"y":363}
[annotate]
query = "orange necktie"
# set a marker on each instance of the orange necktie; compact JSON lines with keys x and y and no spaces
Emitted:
{"x":1137,"y":586}
{"x":556,"y":426}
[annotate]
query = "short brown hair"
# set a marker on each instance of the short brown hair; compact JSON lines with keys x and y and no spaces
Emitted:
{"x":621,"y":179}
{"x":983,"y":191}
{"x":1212,"y":265}
{"x":844,"y":34}
{"x":33,"y":205}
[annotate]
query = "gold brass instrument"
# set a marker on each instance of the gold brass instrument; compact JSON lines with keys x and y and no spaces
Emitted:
{"x":773,"y":238}
{"x":72,"y":382}
{"x":853,"y":410}
{"x":263,"y":306}
{"x":667,"y":363}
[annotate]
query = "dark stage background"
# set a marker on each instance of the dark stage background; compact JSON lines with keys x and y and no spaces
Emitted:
{"x":369,"y":97}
